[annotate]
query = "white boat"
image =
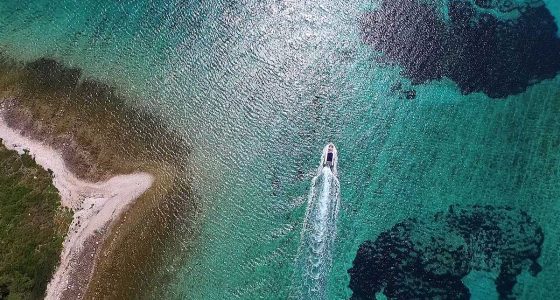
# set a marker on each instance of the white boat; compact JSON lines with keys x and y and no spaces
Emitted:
{"x":329,"y":158}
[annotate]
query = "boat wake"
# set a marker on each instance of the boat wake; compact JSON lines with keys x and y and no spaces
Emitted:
{"x":314,"y":257}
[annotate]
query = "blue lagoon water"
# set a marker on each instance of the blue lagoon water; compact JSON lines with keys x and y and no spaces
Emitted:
{"x":259,"y":87}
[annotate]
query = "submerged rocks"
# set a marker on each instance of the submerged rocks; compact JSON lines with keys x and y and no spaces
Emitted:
{"x":397,"y":89}
{"x":410,"y":94}
{"x":52,"y":74}
{"x":494,"y":47}
{"x":426,"y":259}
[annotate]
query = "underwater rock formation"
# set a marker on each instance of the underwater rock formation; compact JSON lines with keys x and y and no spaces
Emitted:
{"x":490,"y":46}
{"x":426,"y":259}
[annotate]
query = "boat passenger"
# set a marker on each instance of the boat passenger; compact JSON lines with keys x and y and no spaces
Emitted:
{"x":330,"y":155}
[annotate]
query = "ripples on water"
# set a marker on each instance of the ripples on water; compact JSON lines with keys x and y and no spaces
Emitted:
{"x":258,"y":88}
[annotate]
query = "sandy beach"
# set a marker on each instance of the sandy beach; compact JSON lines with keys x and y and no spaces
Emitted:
{"x":95,"y":206}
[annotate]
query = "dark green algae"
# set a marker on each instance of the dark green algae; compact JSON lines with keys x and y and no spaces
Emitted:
{"x":428,"y":258}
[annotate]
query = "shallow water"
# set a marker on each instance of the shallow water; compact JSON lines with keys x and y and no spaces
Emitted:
{"x":258,"y":88}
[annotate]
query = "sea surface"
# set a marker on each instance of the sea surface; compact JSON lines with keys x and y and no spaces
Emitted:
{"x":258,"y":88}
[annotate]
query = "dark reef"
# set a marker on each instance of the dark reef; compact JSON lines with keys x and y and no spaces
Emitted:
{"x":472,"y":45}
{"x":426,"y":259}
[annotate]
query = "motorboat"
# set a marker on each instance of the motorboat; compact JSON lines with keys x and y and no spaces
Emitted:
{"x":329,"y":158}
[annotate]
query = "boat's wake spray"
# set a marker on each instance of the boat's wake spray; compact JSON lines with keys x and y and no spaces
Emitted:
{"x":314,"y":257}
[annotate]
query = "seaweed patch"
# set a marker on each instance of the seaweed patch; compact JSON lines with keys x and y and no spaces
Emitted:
{"x":496,"y":47}
{"x":427,"y":259}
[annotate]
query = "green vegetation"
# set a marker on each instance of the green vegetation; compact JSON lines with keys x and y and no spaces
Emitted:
{"x":32,"y":226}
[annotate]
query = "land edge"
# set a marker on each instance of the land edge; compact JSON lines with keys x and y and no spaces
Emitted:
{"x":96,"y":207}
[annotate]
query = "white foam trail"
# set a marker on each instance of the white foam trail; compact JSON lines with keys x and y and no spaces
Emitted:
{"x":314,"y":258}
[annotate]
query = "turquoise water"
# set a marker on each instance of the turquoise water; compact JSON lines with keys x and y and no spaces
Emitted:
{"x":259,"y":87}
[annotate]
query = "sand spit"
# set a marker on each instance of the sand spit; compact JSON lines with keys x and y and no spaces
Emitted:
{"x":95,"y":207}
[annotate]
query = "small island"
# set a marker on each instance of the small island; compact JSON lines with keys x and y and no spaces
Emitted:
{"x":112,"y":167}
{"x":33,"y":224}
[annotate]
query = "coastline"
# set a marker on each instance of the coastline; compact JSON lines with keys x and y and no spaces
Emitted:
{"x":100,"y":133}
{"x":96,"y":207}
